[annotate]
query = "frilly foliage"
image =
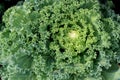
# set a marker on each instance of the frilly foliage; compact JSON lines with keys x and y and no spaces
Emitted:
{"x":59,"y":40}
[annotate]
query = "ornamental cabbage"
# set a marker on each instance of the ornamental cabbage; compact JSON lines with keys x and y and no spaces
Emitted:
{"x":60,"y":40}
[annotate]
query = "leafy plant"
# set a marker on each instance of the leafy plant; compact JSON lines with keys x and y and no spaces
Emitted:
{"x":60,"y":40}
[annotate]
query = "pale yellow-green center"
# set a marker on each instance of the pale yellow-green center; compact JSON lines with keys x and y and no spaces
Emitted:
{"x":73,"y":34}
